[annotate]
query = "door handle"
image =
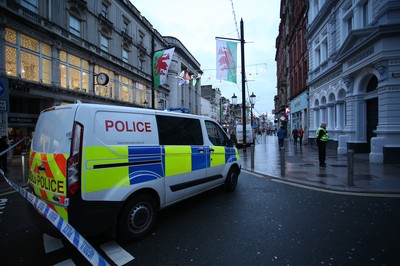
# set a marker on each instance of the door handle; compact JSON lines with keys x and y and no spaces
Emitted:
{"x":211,"y":150}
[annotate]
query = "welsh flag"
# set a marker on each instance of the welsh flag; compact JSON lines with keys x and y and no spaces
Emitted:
{"x":161,"y":61}
{"x":226,"y":60}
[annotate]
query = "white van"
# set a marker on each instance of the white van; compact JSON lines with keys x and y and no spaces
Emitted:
{"x":101,"y":167}
{"x":239,"y":135}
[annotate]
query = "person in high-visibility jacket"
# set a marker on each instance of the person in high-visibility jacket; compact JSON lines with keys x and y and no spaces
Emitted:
{"x":322,"y":138}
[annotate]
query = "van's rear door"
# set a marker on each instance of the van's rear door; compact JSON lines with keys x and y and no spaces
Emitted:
{"x":51,"y":144}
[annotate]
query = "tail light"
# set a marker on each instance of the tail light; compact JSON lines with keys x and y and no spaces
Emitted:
{"x":74,"y":161}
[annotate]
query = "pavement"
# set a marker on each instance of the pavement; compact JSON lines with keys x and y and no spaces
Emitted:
{"x":301,"y":167}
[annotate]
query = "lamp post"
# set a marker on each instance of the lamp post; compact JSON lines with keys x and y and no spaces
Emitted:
{"x":252,"y":102}
{"x":234,"y":102}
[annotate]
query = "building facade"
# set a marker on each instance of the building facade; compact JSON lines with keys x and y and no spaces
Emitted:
{"x":281,"y":100}
{"x":354,"y":69}
{"x":298,"y":64}
{"x":52,"y":52}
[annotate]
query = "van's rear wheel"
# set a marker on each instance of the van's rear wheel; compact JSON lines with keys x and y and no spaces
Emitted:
{"x":137,"y":218}
{"x":232,"y":179}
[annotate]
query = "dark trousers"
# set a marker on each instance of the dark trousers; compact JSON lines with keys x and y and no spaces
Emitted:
{"x":3,"y":162}
{"x":300,"y":139}
{"x":280,"y":141}
{"x":321,"y":151}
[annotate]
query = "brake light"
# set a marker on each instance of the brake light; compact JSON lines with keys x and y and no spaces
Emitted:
{"x":74,"y":161}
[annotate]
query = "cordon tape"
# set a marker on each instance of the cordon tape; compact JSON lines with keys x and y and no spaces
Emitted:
{"x":64,"y":227}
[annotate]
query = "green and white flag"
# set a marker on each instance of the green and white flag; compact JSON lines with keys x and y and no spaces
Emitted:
{"x":226,"y":60}
{"x":161,"y":61}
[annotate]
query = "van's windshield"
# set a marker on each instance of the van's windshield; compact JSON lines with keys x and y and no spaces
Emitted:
{"x":51,"y":132}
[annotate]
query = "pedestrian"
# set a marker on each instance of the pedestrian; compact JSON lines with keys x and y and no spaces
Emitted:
{"x":295,"y":134}
{"x":300,"y":133}
{"x":281,"y":136}
{"x":3,"y":157}
{"x":322,"y":138}
{"x":233,"y":137}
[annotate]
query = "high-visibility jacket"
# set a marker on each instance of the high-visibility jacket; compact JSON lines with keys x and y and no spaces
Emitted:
{"x":322,"y":134}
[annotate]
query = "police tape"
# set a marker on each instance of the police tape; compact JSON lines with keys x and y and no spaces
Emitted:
{"x":64,"y":227}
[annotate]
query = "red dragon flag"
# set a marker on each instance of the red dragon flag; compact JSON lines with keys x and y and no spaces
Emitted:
{"x":161,"y":61}
{"x":226,"y":60}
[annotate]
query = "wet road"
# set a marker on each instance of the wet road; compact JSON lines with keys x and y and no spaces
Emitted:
{"x":262,"y":223}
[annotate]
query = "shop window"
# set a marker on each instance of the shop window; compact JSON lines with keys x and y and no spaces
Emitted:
{"x":105,"y":90}
{"x":27,"y":57}
{"x":125,"y":89}
{"x":74,"y":72}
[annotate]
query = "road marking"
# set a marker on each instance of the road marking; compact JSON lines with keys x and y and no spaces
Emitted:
{"x":51,"y":243}
{"x":67,"y":262}
{"x":2,"y":204}
{"x":350,"y":193}
{"x":119,"y":255}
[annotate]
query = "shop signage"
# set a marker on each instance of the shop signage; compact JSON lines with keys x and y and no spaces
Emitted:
{"x":3,"y":106}
{"x":21,"y":120}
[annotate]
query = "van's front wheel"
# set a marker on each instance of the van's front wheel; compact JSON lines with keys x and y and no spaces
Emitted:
{"x":137,"y":218}
{"x":232,"y":179}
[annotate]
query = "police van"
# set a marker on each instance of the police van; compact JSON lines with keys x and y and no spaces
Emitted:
{"x":110,"y":168}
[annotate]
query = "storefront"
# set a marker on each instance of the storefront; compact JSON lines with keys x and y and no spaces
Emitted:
{"x":298,"y":112}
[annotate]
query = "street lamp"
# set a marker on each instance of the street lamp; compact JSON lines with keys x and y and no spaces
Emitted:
{"x":234,"y":99}
{"x":234,"y":102}
{"x":252,"y":102}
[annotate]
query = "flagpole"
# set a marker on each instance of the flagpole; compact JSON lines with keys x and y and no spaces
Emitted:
{"x":243,"y":84}
{"x":152,"y":73}
{"x":243,"y":79}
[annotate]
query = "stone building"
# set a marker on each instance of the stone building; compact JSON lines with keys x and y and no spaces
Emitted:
{"x":353,"y":78}
{"x":52,"y":52}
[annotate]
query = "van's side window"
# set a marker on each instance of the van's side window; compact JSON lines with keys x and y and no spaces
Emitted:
{"x":216,"y":135}
{"x":179,"y":131}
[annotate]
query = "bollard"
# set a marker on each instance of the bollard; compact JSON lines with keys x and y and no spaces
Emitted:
{"x":252,"y":157}
{"x":25,"y":166}
{"x":350,"y":168}
{"x":282,"y":155}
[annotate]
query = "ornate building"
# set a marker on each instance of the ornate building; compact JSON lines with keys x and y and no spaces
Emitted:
{"x":354,"y":64}
{"x":52,"y":53}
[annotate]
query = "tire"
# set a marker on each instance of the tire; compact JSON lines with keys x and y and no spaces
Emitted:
{"x":137,"y":218}
{"x":232,"y":179}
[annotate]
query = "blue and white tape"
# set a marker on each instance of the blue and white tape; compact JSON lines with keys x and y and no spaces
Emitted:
{"x":64,"y":227}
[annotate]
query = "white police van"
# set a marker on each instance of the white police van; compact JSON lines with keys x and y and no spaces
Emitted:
{"x":102,"y":167}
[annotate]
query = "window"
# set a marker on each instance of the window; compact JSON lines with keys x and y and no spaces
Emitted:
{"x":321,"y":52}
{"x":347,"y":19}
{"x":140,"y":93}
{"x":216,"y":135}
{"x":366,"y":16}
{"x":125,"y":89}
{"x":105,"y":90}
{"x":32,"y":5}
{"x":103,"y":43}
{"x":125,"y":55}
{"x":27,"y":57}
{"x":141,"y":38}
{"x":74,"y":26}
{"x":104,"y":9}
{"x":74,"y":72}
{"x":125,"y":26}
{"x":179,"y":130}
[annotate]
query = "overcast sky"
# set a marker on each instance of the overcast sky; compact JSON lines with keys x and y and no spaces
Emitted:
{"x":197,"y":23}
